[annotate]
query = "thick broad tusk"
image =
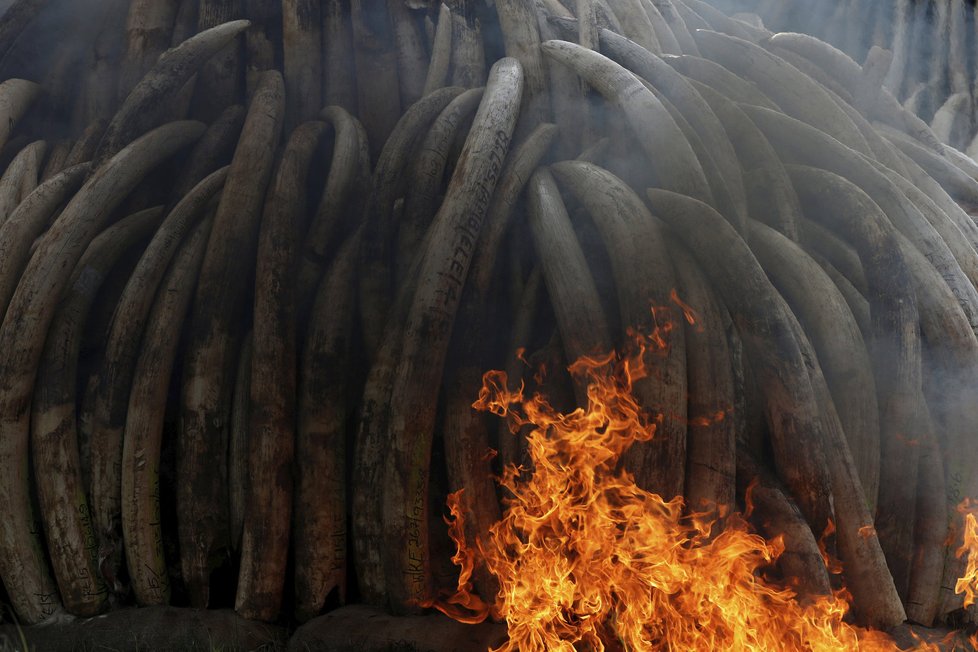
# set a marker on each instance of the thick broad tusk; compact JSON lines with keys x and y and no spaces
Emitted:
{"x":444,"y":265}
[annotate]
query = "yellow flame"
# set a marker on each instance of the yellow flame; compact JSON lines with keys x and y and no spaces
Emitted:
{"x":968,"y":583}
{"x":586,"y":559}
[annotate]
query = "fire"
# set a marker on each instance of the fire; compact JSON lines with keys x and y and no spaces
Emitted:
{"x":688,"y":313}
{"x":585,"y":559}
{"x":968,"y":584}
{"x":462,"y":605}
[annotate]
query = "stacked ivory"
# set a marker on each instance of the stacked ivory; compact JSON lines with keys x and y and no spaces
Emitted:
{"x":933,"y":44}
{"x":249,"y":286}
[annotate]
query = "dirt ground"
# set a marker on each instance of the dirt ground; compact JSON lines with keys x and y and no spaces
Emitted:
{"x":355,"y":628}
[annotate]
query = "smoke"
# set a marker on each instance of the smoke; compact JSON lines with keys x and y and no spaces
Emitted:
{"x":933,"y":43}
{"x":61,"y":48}
{"x":58,"y":30}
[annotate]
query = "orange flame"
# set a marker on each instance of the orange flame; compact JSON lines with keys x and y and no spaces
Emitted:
{"x":462,"y":605}
{"x":688,"y":313}
{"x":586,"y":559}
{"x":968,"y":583}
{"x":833,"y":565}
{"x":867,"y":531}
{"x":749,"y":497}
{"x":708,"y":420}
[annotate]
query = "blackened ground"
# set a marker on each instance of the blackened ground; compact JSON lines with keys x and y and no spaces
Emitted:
{"x":350,"y":629}
{"x":355,"y":628}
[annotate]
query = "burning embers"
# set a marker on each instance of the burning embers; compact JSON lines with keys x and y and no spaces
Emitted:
{"x":587,"y":559}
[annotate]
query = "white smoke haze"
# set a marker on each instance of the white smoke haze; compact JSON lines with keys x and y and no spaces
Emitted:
{"x":933,"y":43}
